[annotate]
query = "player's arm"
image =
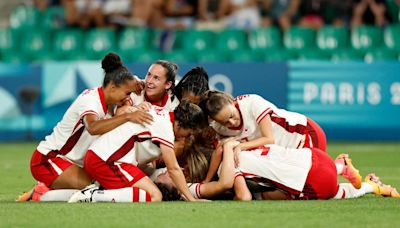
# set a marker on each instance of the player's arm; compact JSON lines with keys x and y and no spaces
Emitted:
{"x":215,"y":161}
{"x":97,"y":126}
{"x":226,"y":176}
{"x":175,"y":172}
{"x":267,"y":135}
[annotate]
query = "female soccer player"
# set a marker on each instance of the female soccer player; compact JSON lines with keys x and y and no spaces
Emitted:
{"x":115,"y":157}
{"x":256,"y":122}
{"x":58,"y":159}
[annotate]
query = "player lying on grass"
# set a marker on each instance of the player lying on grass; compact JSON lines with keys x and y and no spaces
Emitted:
{"x":57,"y":161}
{"x":256,"y":122}
{"x":279,"y":173}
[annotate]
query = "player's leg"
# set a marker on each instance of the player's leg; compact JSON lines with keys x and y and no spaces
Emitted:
{"x":242,"y":192}
{"x":344,"y":167}
{"x":317,"y":135}
{"x":380,"y":188}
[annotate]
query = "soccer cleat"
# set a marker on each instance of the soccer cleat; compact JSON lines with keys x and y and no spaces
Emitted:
{"x":34,"y":194}
{"x":349,"y":171}
{"x":85,"y":195}
{"x":381,"y":188}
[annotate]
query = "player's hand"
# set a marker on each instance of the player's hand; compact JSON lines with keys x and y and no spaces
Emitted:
{"x":145,"y":106}
{"x":125,"y":109}
{"x":139,"y":86}
{"x":140,"y":117}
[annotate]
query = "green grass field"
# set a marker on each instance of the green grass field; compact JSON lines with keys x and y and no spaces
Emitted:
{"x":368,"y":211}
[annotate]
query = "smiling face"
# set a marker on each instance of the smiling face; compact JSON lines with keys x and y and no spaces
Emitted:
{"x":228,"y":116}
{"x":120,"y":94}
{"x":156,"y":83}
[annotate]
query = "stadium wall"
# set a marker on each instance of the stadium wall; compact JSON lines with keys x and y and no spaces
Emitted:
{"x":351,"y":100}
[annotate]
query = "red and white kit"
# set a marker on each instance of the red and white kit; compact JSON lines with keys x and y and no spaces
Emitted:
{"x":302,"y":173}
{"x":291,"y":130}
{"x":113,"y":158}
{"x":169,"y":102}
{"x":69,"y":141}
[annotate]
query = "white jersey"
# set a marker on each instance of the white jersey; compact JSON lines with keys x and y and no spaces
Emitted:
{"x":285,"y":166}
{"x":289,"y":128}
{"x":169,"y":102}
{"x":70,"y":137}
{"x":136,"y":144}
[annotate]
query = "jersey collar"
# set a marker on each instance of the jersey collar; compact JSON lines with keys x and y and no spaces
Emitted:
{"x":163,"y":102}
{"x":102,"y":100}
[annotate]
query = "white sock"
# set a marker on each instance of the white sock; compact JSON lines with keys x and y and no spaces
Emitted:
{"x":347,"y":191}
{"x":122,"y":195}
{"x":367,"y":187}
{"x":339,"y":168}
{"x":58,"y":195}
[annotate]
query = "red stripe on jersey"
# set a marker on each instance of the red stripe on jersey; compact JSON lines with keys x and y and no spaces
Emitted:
{"x":77,"y":124}
{"x":135,"y":194}
{"x":172,"y":117}
{"x":71,"y":142}
{"x":263,"y":114}
{"x":198,"y":190}
{"x":265,"y":151}
{"x":102,"y":100}
{"x":148,"y":198}
{"x":298,"y":128}
{"x":127,"y":146}
{"x":163,"y":141}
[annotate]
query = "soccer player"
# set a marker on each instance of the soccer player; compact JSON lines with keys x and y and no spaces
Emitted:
{"x":57,"y":161}
{"x":256,"y":122}
{"x":115,"y":157}
{"x":193,"y":85}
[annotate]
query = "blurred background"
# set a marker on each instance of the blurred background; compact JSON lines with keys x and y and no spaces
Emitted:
{"x":334,"y":61}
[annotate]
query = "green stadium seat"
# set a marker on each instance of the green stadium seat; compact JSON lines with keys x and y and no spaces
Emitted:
{"x":8,"y":40}
{"x":364,"y":38}
{"x":313,"y":54}
{"x":132,"y":39}
{"x":347,"y":55}
{"x":24,"y":17}
{"x":245,"y":56}
{"x":331,"y":38}
{"x":279,"y":55}
{"x":231,"y":40}
{"x":68,"y":44}
{"x":11,"y":56}
{"x":179,"y":56}
{"x":265,"y":38}
{"x":391,"y":37}
{"x":35,"y":43}
{"x":299,"y":38}
{"x":380,"y":54}
{"x":393,"y":10}
{"x":146,"y":56}
{"x":53,"y":18}
{"x":198,"y":40}
{"x":99,"y":42}
{"x":209,"y":56}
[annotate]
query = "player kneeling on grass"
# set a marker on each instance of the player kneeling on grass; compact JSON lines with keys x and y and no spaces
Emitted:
{"x":114,"y":158}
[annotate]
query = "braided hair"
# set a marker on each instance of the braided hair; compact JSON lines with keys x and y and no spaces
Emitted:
{"x":195,"y":81}
{"x":114,"y":70}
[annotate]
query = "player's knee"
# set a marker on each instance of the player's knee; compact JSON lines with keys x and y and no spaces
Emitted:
{"x":156,"y":196}
{"x":244,"y":196}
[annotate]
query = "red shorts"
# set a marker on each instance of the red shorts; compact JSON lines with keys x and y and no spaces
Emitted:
{"x":46,"y":168}
{"x":322,"y":181}
{"x":111,"y":176}
{"x":317,"y":135}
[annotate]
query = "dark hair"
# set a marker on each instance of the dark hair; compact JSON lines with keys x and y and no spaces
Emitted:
{"x":213,"y":101}
{"x":195,"y":81}
{"x":171,"y":69}
{"x":168,"y":194}
{"x":190,"y":116}
{"x":114,"y":70}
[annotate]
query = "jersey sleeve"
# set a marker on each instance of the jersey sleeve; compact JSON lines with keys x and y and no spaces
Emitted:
{"x":260,"y":107}
{"x":88,"y":103}
{"x":161,"y":129}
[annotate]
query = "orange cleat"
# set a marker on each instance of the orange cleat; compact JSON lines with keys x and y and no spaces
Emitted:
{"x":34,"y":194}
{"x":381,"y":188}
{"x":349,"y":171}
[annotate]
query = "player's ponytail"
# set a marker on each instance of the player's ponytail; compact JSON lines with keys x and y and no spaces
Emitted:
{"x":114,"y":70}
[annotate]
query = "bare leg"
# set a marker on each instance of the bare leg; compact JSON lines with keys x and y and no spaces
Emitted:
{"x":72,"y":178}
